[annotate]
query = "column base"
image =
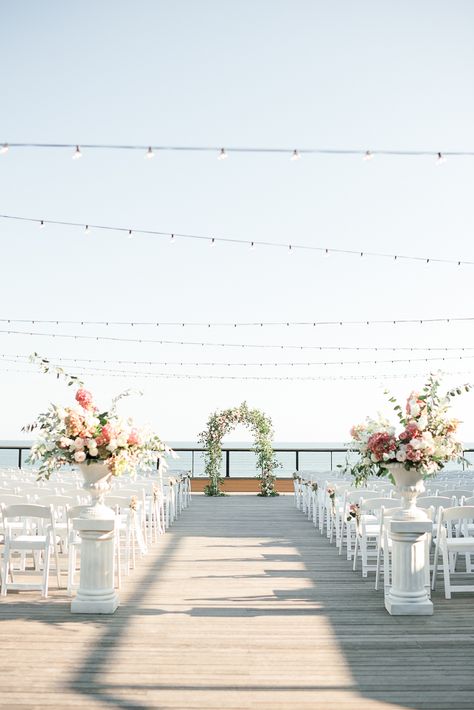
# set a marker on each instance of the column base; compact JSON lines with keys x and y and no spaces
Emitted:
{"x":399,"y":607}
{"x":95,"y":606}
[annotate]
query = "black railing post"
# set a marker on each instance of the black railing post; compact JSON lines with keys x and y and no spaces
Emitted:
{"x":297,"y":460}
{"x":227,"y":463}
{"x":192,"y":463}
{"x":331,"y":460}
{"x":19,"y":458}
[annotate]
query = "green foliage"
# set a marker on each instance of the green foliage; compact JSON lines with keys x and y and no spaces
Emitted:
{"x":218,"y":425}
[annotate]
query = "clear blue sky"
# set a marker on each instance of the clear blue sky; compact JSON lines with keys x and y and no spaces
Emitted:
{"x":266,"y":73}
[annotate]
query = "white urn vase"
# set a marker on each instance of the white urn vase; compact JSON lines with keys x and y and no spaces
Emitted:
{"x":96,"y":483}
{"x":409,"y":483}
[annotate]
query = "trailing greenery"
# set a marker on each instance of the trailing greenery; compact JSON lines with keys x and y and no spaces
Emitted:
{"x":218,"y":425}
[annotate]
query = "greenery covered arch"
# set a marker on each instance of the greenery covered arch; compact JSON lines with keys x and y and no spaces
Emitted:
{"x":218,"y":425}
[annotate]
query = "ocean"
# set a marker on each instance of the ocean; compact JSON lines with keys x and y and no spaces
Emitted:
{"x":241,"y":463}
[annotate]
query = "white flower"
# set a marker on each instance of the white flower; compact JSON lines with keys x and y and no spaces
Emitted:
{"x":401,"y":455}
{"x":422,"y":422}
{"x":79,"y":456}
{"x":122,"y":439}
{"x":414,"y":407}
{"x":64,"y":442}
{"x":93,"y":451}
{"x":79,"y":443}
{"x":112,"y":445}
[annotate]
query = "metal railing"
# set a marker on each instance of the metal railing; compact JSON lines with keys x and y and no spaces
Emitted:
{"x":293,"y":459}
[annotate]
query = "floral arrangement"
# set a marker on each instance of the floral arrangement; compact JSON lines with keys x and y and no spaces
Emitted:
{"x":82,"y":434}
{"x":331,"y":493}
{"x":218,"y":425}
{"x":353,"y":513}
{"x":427,"y":439}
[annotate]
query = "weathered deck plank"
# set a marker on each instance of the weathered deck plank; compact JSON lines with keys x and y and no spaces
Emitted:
{"x":241,"y":605}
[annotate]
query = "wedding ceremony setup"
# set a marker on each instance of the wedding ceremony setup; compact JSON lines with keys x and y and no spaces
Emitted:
{"x":236,"y":355}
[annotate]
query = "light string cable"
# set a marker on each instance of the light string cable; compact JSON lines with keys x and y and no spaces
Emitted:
{"x":295,"y":153}
{"x":181,"y":376}
{"x":173,"y":363}
{"x":117,"y":339}
{"x":212,"y":240}
{"x":244,"y":324}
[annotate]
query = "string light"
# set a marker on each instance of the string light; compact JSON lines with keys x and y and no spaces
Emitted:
{"x":160,"y":341}
{"x":252,"y":246}
{"x":440,"y":159}
{"x":87,"y":230}
{"x":368,"y":155}
{"x":246,"y":324}
{"x":325,"y":363}
{"x":230,"y":240}
{"x":130,"y":234}
{"x":172,"y":239}
{"x":246,"y":149}
{"x":296,"y":155}
{"x":222,"y":155}
{"x":77,"y":153}
{"x":4,"y":149}
{"x":99,"y":372}
{"x":149,"y":155}
{"x":213,"y":242}
{"x":41,"y":224}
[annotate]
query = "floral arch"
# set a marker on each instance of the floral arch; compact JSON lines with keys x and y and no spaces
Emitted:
{"x":219,"y":424}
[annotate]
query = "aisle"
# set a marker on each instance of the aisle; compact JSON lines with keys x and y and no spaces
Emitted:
{"x":243,"y":605}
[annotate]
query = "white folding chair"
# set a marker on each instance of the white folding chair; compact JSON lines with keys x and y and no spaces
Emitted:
{"x":39,"y":539}
{"x":368,"y":531}
{"x":454,"y":520}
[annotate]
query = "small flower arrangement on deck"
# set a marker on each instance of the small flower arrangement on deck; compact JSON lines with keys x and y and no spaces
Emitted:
{"x":427,"y":440}
{"x":83,"y":435}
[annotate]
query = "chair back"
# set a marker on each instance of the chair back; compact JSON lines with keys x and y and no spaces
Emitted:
{"x":456,"y":493}
{"x":436,"y":502}
{"x":375,"y":505}
{"x":27,"y":510}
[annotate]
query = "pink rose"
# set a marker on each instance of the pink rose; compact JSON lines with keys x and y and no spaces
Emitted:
{"x":133,"y":437}
{"x":84,"y":398}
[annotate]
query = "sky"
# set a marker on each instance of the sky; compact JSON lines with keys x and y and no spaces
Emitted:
{"x":266,"y":73}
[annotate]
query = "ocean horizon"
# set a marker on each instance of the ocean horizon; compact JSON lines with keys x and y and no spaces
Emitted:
{"x":241,"y":463}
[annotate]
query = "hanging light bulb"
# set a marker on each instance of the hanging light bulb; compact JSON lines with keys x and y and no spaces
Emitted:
{"x":440,"y":159}
{"x":290,"y":249}
{"x":87,"y":229}
{"x":222,"y":155}
{"x":41,"y":224}
{"x":4,"y":149}
{"x":296,"y":155}
{"x":213,"y":242}
{"x":252,"y":246}
{"x":326,"y":253}
{"x":172,"y":239}
{"x":149,"y":154}
{"x":130,"y":234}
{"x":77,"y":153}
{"x":368,"y":155}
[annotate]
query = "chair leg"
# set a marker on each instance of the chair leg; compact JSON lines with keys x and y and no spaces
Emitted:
{"x":6,"y":569}
{"x":46,"y":570}
{"x":435,"y":565}
{"x":118,"y":562}
{"x":377,"y":567}
{"x":447,"y":581}
{"x":56,"y":560}
{"x":356,"y":545}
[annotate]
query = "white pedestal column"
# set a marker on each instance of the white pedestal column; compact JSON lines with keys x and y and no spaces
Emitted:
{"x":96,"y":593}
{"x":408,"y":594}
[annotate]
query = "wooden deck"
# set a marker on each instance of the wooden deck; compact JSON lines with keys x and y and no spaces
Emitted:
{"x":241,"y":605}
